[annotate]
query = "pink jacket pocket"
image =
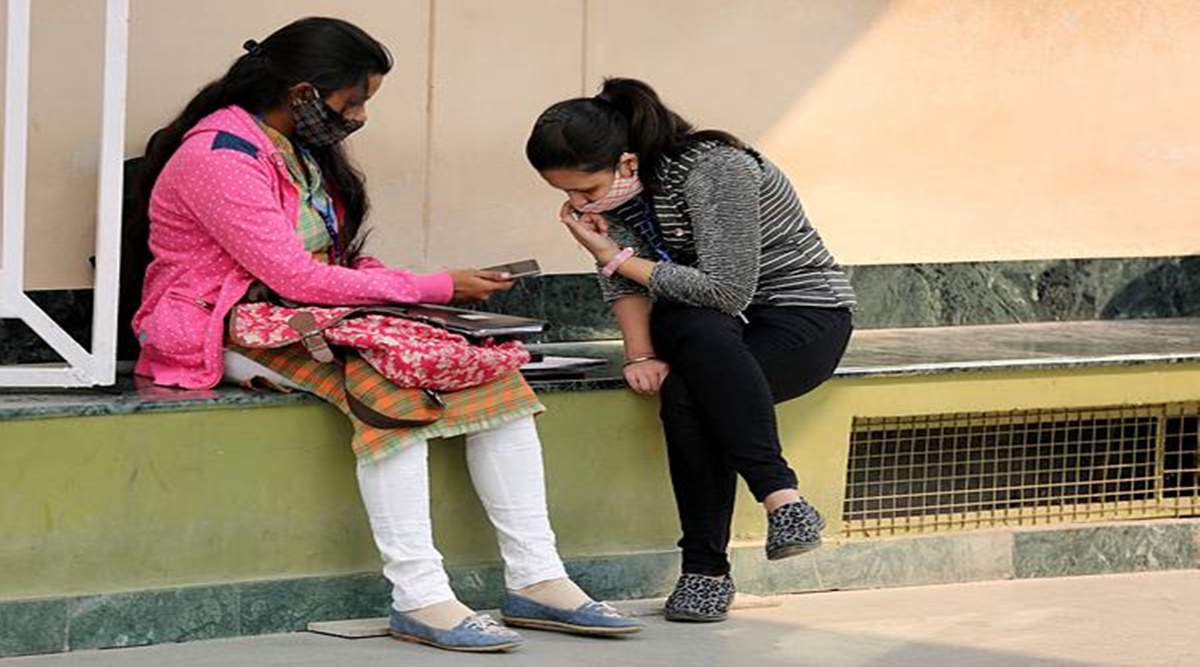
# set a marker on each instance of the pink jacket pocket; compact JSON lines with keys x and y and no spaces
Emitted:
{"x":175,"y":328}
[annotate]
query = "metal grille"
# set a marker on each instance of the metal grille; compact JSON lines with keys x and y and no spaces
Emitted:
{"x":928,"y":473}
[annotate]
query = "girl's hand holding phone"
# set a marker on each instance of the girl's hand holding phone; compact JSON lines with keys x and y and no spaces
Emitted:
{"x":473,"y":285}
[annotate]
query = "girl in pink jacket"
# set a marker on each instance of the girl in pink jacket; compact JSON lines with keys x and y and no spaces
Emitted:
{"x":249,"y":186}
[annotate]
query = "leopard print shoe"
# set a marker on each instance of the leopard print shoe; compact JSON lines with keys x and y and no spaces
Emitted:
{"x":793,"y":529}
{"x":699,"y":599}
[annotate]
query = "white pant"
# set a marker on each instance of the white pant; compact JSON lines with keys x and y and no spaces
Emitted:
{"x":506,"y":468}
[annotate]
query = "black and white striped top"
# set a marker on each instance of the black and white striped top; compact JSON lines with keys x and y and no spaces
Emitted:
{"x":735,"y":233}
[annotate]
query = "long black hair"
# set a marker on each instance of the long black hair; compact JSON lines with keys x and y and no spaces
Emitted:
{"x":329,"y":53}
{"x":591,"y":133}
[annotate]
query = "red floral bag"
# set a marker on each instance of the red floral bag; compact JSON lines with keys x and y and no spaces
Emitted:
{"x":411,"y":354}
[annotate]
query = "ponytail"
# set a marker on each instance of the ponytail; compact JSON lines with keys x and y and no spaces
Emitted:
{"x":591,"y":133}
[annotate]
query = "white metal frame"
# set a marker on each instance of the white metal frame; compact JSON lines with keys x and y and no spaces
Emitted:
{"x":82,"y":368}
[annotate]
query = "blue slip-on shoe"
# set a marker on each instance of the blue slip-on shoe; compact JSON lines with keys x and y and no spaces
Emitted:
{"x":590,"y":618}
{"x":477,"y":633}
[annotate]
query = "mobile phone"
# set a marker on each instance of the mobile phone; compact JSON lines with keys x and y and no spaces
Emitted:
{"x":525,"y":268}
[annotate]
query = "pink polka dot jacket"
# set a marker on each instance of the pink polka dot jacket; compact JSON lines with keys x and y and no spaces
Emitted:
{"x":223,"y":214}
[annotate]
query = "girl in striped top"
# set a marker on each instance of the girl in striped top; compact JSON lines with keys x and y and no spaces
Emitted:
{"x":728,"y":303}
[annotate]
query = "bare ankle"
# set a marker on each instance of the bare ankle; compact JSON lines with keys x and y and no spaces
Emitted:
{"x":443,"y":615}
{"x":561,"y":593}
{"x":779,"y":498}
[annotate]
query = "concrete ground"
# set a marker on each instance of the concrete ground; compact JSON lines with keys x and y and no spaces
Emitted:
{"x":1139,"y":620}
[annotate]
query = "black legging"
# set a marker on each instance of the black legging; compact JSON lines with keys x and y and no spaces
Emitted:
{"x":718,"y":407}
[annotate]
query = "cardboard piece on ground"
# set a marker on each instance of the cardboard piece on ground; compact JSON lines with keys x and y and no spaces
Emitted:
{"x":355,"y":628}
{"x":358,"y":628}
{"x":750,"y":601}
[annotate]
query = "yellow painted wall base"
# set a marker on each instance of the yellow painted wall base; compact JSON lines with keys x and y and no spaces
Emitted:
{"x":98,"y":504}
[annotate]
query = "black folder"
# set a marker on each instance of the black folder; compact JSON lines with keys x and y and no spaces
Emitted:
{"x":469,"y":323}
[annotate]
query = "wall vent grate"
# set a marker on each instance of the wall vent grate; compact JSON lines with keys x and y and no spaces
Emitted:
{"x":940,"y":472}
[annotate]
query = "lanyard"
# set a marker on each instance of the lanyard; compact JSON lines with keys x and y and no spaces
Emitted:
{"x":329,"y":216}
{"x":646,"y":225}
{"x":327,"y":211}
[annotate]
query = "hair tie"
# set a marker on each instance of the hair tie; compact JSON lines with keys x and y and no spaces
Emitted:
{"x":608,"y":102}
{"x":252,"y":47}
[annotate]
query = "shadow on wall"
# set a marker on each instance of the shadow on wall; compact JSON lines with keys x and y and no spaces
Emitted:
{"x":1169,"y":290}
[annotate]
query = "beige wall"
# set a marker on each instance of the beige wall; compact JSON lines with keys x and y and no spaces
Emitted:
{"x":914,"y":130}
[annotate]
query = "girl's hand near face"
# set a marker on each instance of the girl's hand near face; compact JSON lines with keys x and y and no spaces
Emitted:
{"x":596,"y":221}
{"x":591,"y":231}
{"x":473,"y":286}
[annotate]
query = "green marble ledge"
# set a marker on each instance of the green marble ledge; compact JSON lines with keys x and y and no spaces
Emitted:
{"x":889,"y":295}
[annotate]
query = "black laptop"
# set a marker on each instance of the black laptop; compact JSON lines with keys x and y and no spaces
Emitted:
{"x":470,"y":323}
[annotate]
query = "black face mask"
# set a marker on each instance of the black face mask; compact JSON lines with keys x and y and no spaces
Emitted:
{"x":317,"y":125}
